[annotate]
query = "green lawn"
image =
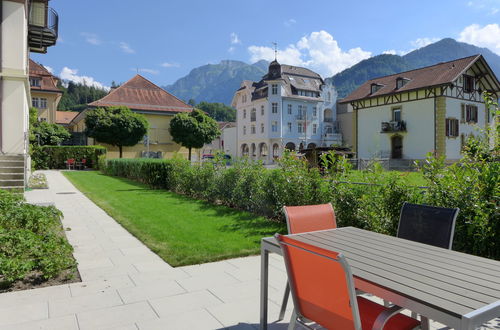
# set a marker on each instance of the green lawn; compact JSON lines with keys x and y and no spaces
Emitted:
{"x":181,"y":230}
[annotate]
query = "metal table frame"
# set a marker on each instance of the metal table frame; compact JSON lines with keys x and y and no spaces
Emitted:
{"x":468,"y":321}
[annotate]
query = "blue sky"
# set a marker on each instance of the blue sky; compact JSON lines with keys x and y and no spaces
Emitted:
{"x":106,"y":40}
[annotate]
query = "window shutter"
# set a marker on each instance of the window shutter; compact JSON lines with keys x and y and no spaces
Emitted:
{"x":456,"y":127}
{"x":447,"y":124}
{"x":462,"y":117}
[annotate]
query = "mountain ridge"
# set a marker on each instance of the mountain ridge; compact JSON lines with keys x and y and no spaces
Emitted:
{"x":218,"y":82}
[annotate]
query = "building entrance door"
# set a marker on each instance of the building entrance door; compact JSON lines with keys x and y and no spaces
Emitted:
{"x":397,"y":147}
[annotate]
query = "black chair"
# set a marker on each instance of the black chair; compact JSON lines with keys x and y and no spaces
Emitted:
{"x":426,"y":224}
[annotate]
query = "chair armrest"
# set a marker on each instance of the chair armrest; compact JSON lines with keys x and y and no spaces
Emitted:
{"x":383,"y":317}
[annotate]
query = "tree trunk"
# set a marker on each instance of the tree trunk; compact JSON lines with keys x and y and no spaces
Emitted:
{"x":121,"y":153}
{"x":189,"y":157}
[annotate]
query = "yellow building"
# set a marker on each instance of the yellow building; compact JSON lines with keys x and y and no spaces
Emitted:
{"x":156,"y":104}
{"x":45,"y":95}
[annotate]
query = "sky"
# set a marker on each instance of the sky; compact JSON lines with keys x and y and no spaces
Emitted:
{"x":101,"y":41}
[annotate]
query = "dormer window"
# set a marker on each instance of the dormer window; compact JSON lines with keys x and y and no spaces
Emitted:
{"x":375,"y":87}
{"x":400,"y":82}
{"x":35,"y":82}
{"x":468,"y":83}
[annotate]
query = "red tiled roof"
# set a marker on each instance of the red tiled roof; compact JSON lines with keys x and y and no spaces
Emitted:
{"x":65,"y":117}
{"x":141,"y":94}
{"x":434,"y":75}
{"x":48,"y":82}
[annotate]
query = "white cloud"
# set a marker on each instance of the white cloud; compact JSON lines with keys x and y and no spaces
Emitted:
{"x":289,"y":22}
{"x":72,"y":75}
{"x":487,"y":36}
{"x":91,"y":38}
{"x":494,"y":11}
{"x":150,"y":71}
{"x":170,"y":65}
{"x":234,"y":39}
{"x":126,"y":48}
{"x":50,"y":69}
{"x":231,"y":49}
{"x":422,"y":42}
{"x":390,"y":52}
{"x":318,"y":51}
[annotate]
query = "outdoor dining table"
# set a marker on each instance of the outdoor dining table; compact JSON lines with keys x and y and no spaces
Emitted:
{"x":459,"y":290}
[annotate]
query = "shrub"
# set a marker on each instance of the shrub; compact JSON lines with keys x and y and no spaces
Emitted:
{"x":31,"y":241}
{"x":54,"y":157}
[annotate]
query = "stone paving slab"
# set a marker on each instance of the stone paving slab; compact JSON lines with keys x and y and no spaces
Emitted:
{"x":128,"y":287}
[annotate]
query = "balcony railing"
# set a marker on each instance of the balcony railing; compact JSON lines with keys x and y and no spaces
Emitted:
{"x":328,"y":120}
{"x":43,"y":27}
{"x":393,"y":126}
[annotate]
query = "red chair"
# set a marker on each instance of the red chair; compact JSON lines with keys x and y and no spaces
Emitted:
{"x":323,"y":291}
{"x":301,"y":219}
{"x":70,"y":163}
{"x":83,"y":164}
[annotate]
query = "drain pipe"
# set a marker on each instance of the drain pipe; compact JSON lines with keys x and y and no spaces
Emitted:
{"x":1,"y":77}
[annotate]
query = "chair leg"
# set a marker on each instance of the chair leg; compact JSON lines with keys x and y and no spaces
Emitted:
{"x":285,"y":302}
{"x":424,"y":322}
{"x":293,"y":321}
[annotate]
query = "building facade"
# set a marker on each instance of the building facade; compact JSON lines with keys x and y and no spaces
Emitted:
{"x":45,"y":95}
{"x":291,"y":107}
{"x":225,"y":143}
{"x":156,"y":104}
{"x":26,"y":26}
{"x":432,"y":109}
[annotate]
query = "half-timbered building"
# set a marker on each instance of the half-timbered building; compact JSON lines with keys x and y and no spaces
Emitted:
{"x":432,"y":109}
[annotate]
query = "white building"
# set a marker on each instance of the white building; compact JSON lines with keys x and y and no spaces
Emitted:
{"x":225,"y":143}
{"x":26,"y":26}
{"x":291,"y":107}
{"x":432,"y":109}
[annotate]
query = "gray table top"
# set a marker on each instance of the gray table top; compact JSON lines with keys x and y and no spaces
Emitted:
{"x":450,"y":281}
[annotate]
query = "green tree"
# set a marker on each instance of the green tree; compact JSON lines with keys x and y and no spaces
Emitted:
{"x":218,"y":111}
{"x":45,"y":134}
{"x":192,"y":102}
{"x":193,"y":129}
{"x":118,"y":126}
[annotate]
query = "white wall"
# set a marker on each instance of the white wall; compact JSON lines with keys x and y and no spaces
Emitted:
{"x":14,"y":37}
{"x":453,"y":110}
{"x":417,"y":141}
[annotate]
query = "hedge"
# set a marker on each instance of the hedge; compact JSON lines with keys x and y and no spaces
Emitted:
{"x":54,"y":157}
{"x":249,"y":186}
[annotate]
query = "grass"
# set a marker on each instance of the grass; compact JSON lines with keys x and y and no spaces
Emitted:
{"x":181,"y":230}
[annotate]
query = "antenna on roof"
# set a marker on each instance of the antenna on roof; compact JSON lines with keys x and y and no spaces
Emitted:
{"x":275,"y":51}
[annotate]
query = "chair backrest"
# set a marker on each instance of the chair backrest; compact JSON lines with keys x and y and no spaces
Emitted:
{"x":301,"y":219}
{"x":71,"y":160}
{"x":321,"y":283}
{"x":84,"y":161}
{"x":428,"y":224}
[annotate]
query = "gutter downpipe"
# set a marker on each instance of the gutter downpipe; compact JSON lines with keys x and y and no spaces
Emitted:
{"x":1,"y":78}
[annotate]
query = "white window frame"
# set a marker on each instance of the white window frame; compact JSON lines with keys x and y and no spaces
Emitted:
{"x":274,"y":107}
{"x":274,"y":89}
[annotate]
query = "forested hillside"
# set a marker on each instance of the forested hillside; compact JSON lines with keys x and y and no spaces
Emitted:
{"x":77,"y":96}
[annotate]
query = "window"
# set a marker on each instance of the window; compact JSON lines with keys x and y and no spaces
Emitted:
{"x":274,"y":126}
{"x":244,"y":113}
{"x":468,"y":84}
{"x":315,"y":112}
{"x":35,"y":101}
{"x":253,"y":115}
{"x":243,"y":98}
{"x":300,"y":128}
{"x":35,"y":82}
{"x":262,"y":110}
{"x":252,"y":129}
{"x":400,"y":82}
{"x":329,"y":97}
{"x":275,"y":107}
{"x":396,"y":114}
{"x":43,"y":103}
{"x":289,"y":107}
{"x":451,"y":127}
{"x":274,"y":89}
{"x":289,"y":127}
{"x":262,"y":128}
{"x":244,"y":130}
{"x":375,"y":87}
{"x":315,"y":128}
{"x":471,"y":113}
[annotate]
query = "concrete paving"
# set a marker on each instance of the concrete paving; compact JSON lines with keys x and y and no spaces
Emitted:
{"x":126,"y":286}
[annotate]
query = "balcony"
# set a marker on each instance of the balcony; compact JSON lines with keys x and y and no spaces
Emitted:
{"x":42,"y":28}
{"x":328,"y":120}
{"x":393,"y":126}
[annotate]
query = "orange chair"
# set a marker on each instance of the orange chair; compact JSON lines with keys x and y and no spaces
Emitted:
{"x":70,"y":163}
{"x":301,"y":219}
{"x":323,"y":291}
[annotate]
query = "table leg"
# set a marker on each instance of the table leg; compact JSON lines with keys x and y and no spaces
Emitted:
{"x":424,"y":322}
{"x":264,"y":278}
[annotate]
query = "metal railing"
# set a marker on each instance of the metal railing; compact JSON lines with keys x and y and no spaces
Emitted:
{"x":393,"y":126}
{"x":43,"y":29}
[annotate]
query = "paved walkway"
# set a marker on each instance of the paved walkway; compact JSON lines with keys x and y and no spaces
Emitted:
{"x":126,"y":286}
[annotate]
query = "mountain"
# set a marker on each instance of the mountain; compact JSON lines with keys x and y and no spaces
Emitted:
{"x":442,"y":51}
{"x":216,"y":82}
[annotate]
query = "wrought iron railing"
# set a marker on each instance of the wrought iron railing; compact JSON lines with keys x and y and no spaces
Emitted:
{"x":43,"y":29}
{"x":393,"y":126}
